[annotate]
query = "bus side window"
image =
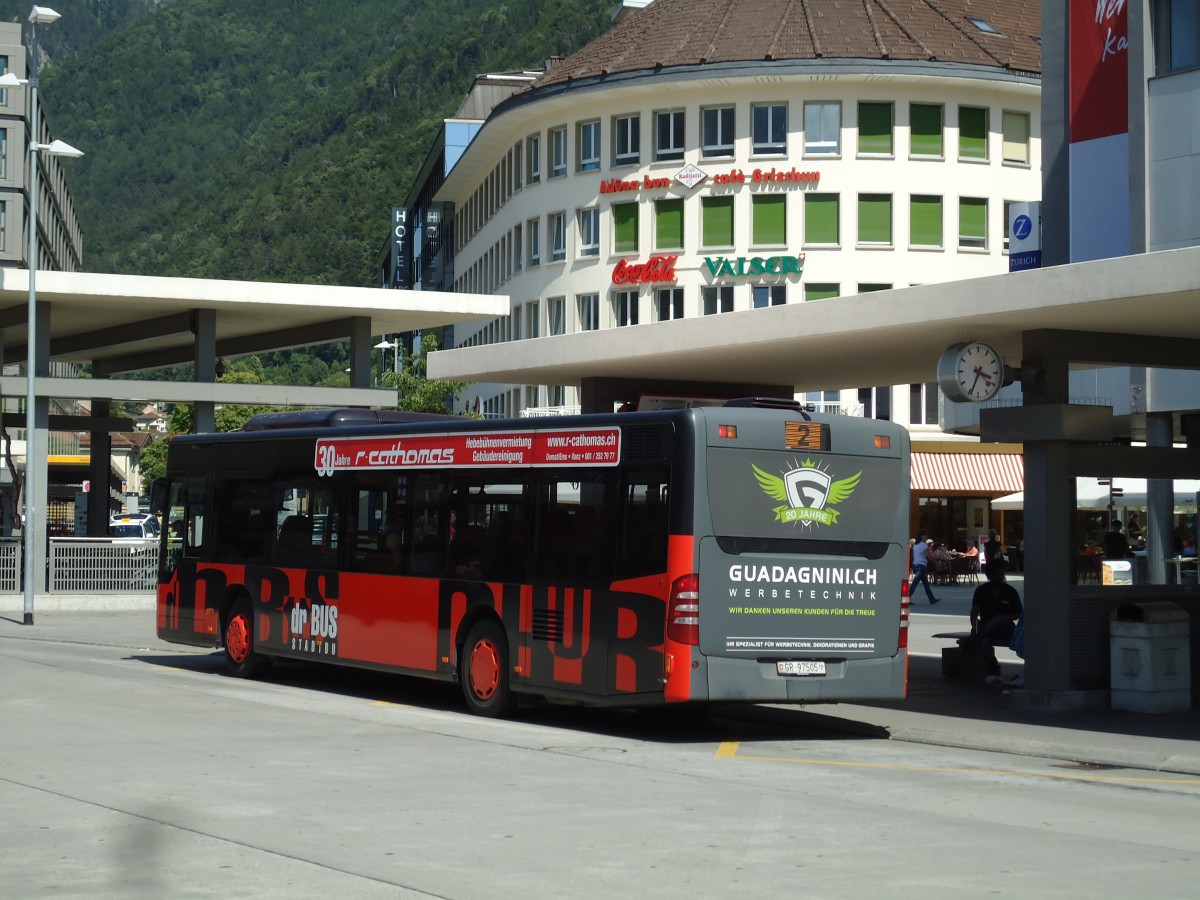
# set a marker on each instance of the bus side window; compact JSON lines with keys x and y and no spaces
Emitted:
{"x":576,"y":524}
{"x":306,"y":524}
{"x":377,"y":534}
{"x":429,"y":538}
{"x":184,"y":519}
{"x":644,"y":524}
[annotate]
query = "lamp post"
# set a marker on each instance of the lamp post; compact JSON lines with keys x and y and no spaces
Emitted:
{"x":40,"y":15}
{"x":383,"y":347}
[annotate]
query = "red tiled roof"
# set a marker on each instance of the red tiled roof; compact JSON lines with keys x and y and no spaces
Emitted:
{"x":675,"y":33}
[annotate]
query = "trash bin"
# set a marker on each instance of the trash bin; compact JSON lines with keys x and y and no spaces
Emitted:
{"x":1150,"y":659}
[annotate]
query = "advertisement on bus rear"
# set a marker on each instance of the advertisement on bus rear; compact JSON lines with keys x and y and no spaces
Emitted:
{"x":806,"y":557}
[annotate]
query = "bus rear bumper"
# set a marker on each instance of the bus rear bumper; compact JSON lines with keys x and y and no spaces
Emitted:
{"x":759,"y":681}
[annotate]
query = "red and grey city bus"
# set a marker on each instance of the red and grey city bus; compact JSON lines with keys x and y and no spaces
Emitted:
{"x":749,"y":552}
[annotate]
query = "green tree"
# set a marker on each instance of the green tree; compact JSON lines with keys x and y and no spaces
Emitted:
{"x":415,"y":391}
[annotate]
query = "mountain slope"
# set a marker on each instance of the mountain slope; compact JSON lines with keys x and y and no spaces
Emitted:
{"x":268,"y":141}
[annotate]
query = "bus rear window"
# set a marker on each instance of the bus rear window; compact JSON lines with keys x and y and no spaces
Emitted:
{"x":814,"y":497}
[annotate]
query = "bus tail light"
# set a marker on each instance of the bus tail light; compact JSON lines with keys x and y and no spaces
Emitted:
{"x":683,"y":610}
{"x":905,"y":603}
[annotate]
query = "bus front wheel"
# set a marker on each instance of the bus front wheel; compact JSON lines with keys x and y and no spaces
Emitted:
{"x":483,"y":670}
{"x":240,"y":656}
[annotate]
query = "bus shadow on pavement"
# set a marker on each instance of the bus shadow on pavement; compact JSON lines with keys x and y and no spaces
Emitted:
{"x":659,"y":724}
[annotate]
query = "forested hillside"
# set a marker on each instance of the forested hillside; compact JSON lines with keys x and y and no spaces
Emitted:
{"x":268,"y":140}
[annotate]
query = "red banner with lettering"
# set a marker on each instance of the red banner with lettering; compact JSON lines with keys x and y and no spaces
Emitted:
{"x":1099,"y":69}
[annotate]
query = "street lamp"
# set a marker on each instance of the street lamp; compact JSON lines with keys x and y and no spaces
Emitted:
{"x":383,"y":347}
{"x":40,"y":15}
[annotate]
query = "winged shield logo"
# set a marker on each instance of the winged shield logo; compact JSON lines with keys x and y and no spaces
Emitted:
{"x":808,"y":494}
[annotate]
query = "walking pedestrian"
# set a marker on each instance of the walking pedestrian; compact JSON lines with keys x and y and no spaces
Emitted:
{"x":920,"y":567}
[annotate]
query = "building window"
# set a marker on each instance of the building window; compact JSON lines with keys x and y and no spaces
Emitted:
{"x":1176,"y":35}
{"x":972,"y":132}
{"x":872,"y":287}
{"x":534,"y":228}
{"x":875,"y":219}
{"x":589,"y":146}
{"x":876,"y":402}
{"x":3,"y":153}
{"x":768,"y":123}
{"x":558,"y":237}
{"x":717,"y":299}
{"x":533,"y":159}
{"x":627,"y":140}
{"x":558,"y":315}
{"x":668,"y":135}
{"x":821,"y":219}
{"x":518,"y":170}
{"x":717,"y":123}
{"x":1007,"y":223}
{"x":670,"y":304}
{"x":3,"y":224}
{"x":558,"y":152}
{"x":768,"y":220}
{"x":765,"y":295}
{"x":925,"y":130}
{"x":518,"y":251}
{"x":589,"y":232}
{"x":3,"y":71}
{"x":668,"y":224}
{"x":972,"y":223}
{"x":589,"y":312}
{"x":813,"y":291}
{"x":625,"y":308}
{"x":875,"y":129}
{"x":716,"y":221}
{"x":625,"y":227}
{"x":822,"y":129}
{"x":532,"y":319}
{"x":923,"y":403}
{"x":1016,"y":137}
{"x":925,"y":221}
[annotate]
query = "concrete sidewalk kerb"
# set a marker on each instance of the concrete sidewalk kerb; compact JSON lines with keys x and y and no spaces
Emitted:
{"x":938,"y":711}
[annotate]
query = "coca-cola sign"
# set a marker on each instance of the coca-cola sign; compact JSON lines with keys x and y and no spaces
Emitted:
{"x":655,"y":270}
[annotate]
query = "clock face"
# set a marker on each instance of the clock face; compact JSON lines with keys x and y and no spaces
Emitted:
{"x":971,"y":372}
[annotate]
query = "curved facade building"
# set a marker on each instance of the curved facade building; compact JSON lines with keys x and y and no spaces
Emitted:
{"x":706,"y":156}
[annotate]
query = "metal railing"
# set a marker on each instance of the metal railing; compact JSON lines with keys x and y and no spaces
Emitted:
{"x":86,"y":565}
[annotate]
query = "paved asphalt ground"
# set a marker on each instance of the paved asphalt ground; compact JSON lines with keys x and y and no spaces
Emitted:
{"x":940,"y":711}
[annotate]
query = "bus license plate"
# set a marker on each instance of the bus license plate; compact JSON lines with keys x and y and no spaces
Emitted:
{"x":800,"y":666}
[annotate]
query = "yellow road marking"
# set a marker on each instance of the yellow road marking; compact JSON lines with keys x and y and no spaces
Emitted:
{"x":730,"y":750}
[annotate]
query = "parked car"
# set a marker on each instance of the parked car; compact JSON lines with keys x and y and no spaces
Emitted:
{"x":133,"y":525}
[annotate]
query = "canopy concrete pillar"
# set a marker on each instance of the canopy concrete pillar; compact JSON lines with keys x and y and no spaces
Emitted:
{"x":99,"y":467}
{"x":204,"y":327}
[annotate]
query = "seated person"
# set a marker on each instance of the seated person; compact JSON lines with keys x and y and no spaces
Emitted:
{"x":1189,"y":548}
{"x":995,"y":608}
{"x":971,"y":551}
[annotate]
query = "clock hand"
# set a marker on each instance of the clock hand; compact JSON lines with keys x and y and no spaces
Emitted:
{"x":978,"y":373}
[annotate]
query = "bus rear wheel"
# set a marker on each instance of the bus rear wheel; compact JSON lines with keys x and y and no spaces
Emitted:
{"x":240,"y":656}
{"x":483,"y":671}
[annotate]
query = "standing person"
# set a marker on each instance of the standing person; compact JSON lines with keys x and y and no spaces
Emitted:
{"x":993,"y":551}
{"x":1115,"y":545}
{"x":920,"y":567}
{"x":995,"y":608}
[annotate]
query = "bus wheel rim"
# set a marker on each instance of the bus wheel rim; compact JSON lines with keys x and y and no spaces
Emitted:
{"x":485,"y":669}
{"x":237,"y":638}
